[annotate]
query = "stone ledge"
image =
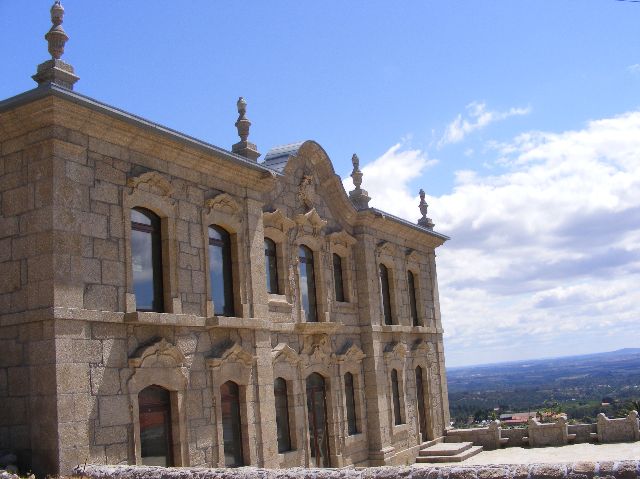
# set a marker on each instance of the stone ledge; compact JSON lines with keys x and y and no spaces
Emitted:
{"x":580,"y":470}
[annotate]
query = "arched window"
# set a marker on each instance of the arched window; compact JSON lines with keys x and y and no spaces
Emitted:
{"x":220,"y":271}
{"x":231,"y":425}
{"x":146,"y":260}
{"x":271,"y":265}
{"x":337,"y":277}
{"x":154,"y":405}
{"x":352,"y":426}
{"x":385,"y":294}
{"x":282,"y":415}
{"x":308,"y":284}
{"x":422,"y":413}
{"x":318,"y":426}
{"x":412,"y":299}
{"x":395,"y":391}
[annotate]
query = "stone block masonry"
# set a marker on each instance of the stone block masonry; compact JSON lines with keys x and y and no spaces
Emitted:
{"x":580,"y":470}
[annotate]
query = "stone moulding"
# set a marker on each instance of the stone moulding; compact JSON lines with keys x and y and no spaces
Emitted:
{"x":277,"y":220}
{"x":385,"y":248}
{"x":153,"y":182}
{"x":352,"y":354}
{"x":342,"y":238}
{"x":395,"y":350}
{"x":313,"y":219}
{"x":234,"y":353}
{"x":284,"y":352}
{"x":223,"y":202}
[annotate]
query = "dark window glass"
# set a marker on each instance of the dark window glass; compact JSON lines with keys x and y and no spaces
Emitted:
{"x":385,"y":294}
{"x":271,"y":265}
{"x":308,"y":284}
{"x":282,"y":415}
{"x":422,"y":415}
{"x":337,"y":277}
{"x":351,"y":404}
{"x":146,"y":260}
{"x":220,"y":271}
{"x":395,"y":391}
{"x":318,"y":428}
{"x":231,"y":426}
{"x":412,"y":299}
{"x":154,"y":405}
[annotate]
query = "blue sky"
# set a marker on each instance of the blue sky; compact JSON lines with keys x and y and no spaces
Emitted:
{"x":519,"y":118}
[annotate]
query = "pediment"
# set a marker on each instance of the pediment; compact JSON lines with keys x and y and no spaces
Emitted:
{"x":284,"y":352}
{"x":351,"y":354}
{"x":223,"y":203}
{"x":420,"y":348}
{"x":311,"y":219}
{"x":277,"y":220}
{"x":232,"y":354}
{"x":395,"y":350}
{"x":386,"y":248}
{"x":342,"y":238}
{"x":152,"y":182}
{"x":160,"y":353}
{"x":413,"y":256}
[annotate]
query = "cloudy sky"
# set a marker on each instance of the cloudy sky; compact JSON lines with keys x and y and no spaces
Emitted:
{"x":521,"y":120}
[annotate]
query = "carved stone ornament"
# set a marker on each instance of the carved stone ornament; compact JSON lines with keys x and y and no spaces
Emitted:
{"x":277,"y":220}
{"x":412,"y":256}
{"x":158,"y":354}
{"x":152,"y":182}
{"x":395,"y":350}
{"x":234,"y":353}
{"x":420,"y":349}
{"x":312,"y":219}
{"x":223,"y":203}
{"x":385,"y":248}
{"x":284,"y":352}
{"x":317,"y":349}
{"x":307,"y":191}
{"x":351,"y":354}
{"x":342,"y":238}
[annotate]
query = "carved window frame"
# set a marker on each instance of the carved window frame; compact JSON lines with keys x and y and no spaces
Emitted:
{"x":152,"y":191}
{"x":351,"y":362}
{"x":341,"y":244}
{"x":286,"y":365}
{"x":224,"y":211}
{"x":319,"y":261}
{"x":395,"y":359}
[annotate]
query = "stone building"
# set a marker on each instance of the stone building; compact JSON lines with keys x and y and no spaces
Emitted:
{"x":166,"y":301}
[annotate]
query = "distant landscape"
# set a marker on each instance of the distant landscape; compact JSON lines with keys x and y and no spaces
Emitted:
{"x":575,"y":385}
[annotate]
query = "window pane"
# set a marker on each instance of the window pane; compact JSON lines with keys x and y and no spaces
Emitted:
{"x":308,"y":285}
{"x":351,"y":404}
{"x":337,"y":277}
{"x":231,"y":427}
{"x":220,"y":271}
{"x":271,"y":265}
{"x":155,"y":426}
{"x":395,"y":391}
{"x":146,"y":260}
{"x":282,"y":415}
{"x":385,"y":294}
{"x":422,"y":414}
{"x":412,"y":299}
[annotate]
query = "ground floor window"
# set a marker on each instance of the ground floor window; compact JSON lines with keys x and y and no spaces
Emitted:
{"x":231,"y":424}
{"x":155,"y":426}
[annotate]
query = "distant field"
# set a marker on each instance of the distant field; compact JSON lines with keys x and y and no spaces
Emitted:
{"x":577,"y":384}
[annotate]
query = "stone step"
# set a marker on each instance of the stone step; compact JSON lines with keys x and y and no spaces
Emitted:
{"x":445,"y":449}
{"x":466,"y":454}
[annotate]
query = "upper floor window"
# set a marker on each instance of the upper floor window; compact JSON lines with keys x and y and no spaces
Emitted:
{"x":395,"y":392}
{"x":385,"y":294}
{"x":146,"y":260}
{"x":308,"y":284}
{"x":220,"y":271}
{"x":413,"y":303}
{"x":271,"y":265}
{"x":337,"y":277}
{"x":282,"y":415}
{"x":352,"y":426}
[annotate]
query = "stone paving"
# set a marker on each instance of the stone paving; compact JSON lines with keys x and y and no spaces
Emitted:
{"x":573,"y":453}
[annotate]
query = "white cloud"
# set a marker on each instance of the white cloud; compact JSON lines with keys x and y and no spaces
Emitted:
{"x":478,"y":117}
{"x":635,"y":68}
{"x":544,"y":257}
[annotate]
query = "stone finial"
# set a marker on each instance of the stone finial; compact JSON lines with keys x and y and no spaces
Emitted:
{"x":424,"y":221}
{"x":359,"y":197}
{"x":55,"y":70}
{"x":244,"y":147}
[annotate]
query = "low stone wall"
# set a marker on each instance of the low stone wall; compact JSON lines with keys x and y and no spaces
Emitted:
{"x":514,"y":436}
{"x":487,"y":437}
{"x":580,"y":470}
{"x":618,"y":430}
{"x":583,"y":432}
{"x":549,"y":434}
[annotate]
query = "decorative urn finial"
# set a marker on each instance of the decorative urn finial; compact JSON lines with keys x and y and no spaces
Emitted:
{"x":55,"y":71}
{"x":424,"y":221}
{"x":358,"y":196}
{"x":244,"y":147}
